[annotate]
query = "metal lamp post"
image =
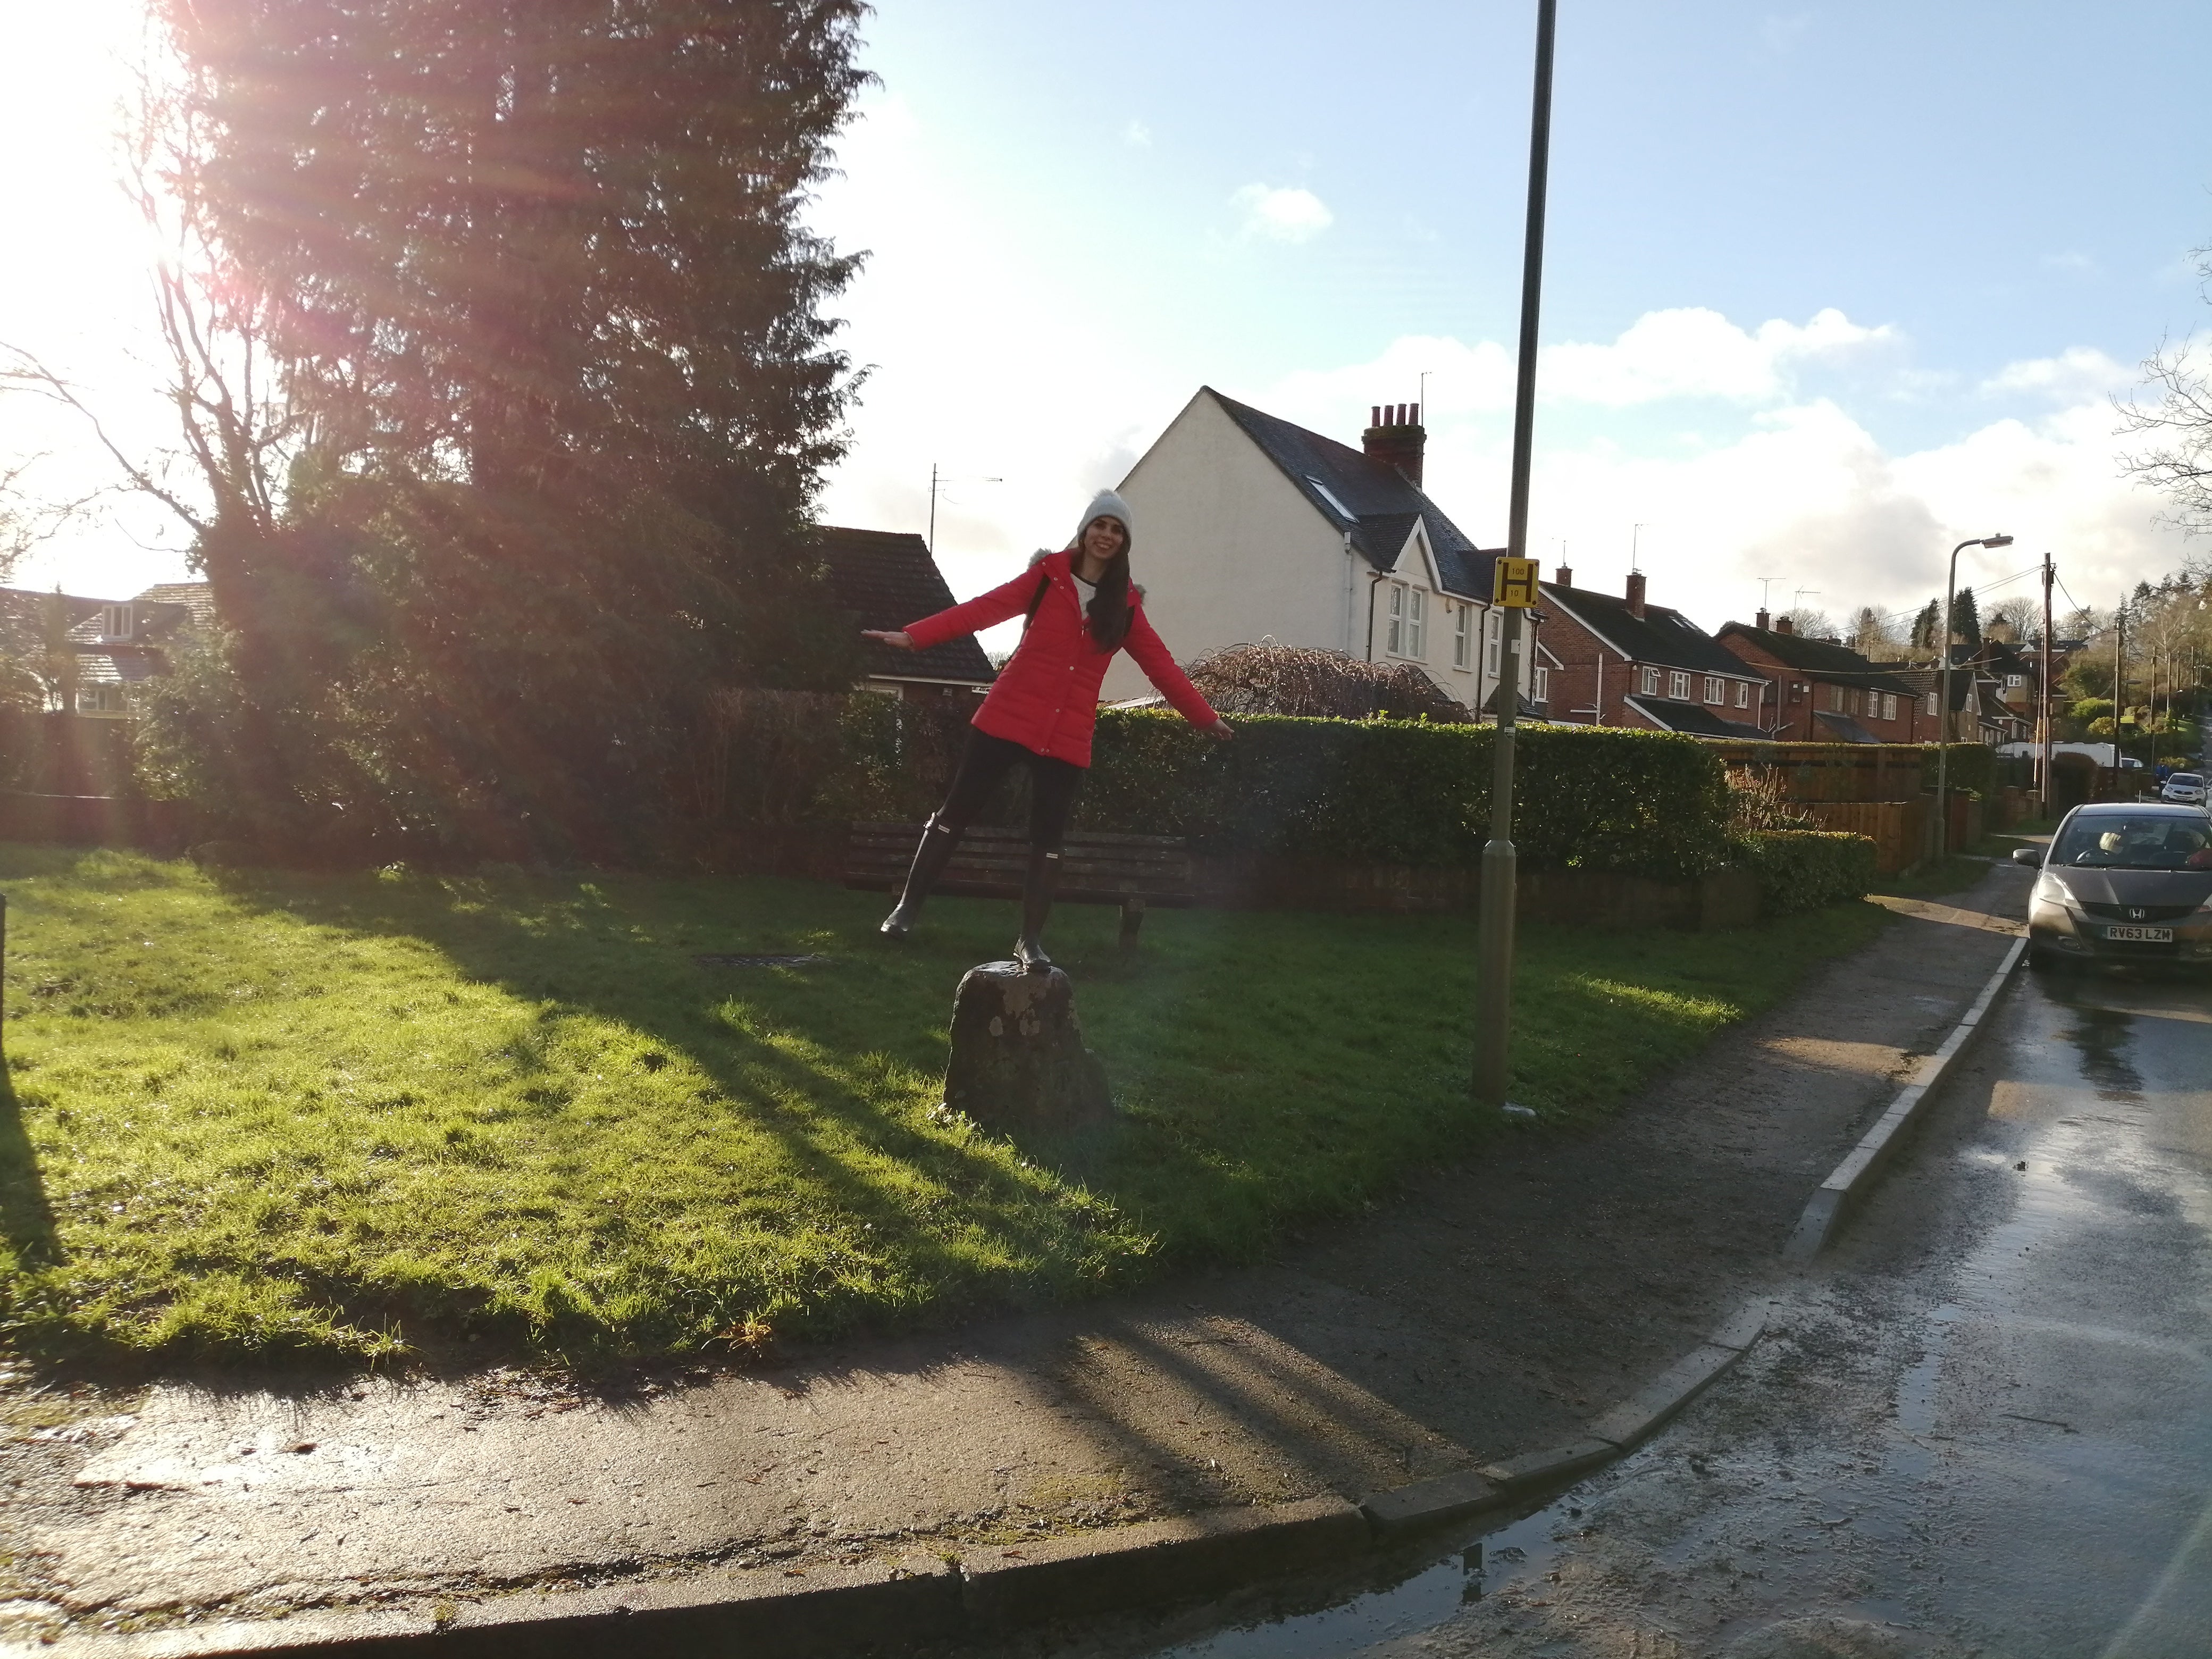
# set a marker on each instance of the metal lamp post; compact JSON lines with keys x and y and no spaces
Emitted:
{"x":1494,"y":989}
{"x":1943,"y":731}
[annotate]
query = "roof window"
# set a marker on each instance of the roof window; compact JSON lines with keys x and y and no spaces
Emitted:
{"x":1330,"y":495}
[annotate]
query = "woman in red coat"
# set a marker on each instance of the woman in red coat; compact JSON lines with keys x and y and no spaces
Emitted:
{"x":1082,"y":609}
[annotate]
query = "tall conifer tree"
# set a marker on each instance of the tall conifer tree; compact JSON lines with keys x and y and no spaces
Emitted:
{"x":536,"y":276}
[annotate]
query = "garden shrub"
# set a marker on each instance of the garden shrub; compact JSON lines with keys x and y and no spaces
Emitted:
{"x":1804,"y":869}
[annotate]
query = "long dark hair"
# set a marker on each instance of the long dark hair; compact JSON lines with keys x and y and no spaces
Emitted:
{"x":1109,"y":610}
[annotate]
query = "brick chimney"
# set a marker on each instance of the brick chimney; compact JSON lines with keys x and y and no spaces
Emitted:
{"x":1564,"y":577}
{"x":1636,"y":594}
{"x":1783,"y":625}
{"x":1763,"y":623}
{"x":1397,"y":438}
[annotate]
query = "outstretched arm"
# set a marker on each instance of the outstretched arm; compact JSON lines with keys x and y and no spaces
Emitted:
{"x":1008,"y":599}
{"x":1152,"y":655}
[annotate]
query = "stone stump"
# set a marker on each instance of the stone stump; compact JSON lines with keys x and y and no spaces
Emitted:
{"x":1019,"y":1065}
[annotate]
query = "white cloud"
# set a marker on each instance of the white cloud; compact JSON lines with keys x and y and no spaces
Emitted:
{"x":1698,"y":353}
{"x":2072,"y":376}
{"x":1281,"y":214}
{"x":1794,"y":487}
{"x":1137,"y":135}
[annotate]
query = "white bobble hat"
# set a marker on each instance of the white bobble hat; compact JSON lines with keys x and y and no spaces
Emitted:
{"x":1105,"y":504}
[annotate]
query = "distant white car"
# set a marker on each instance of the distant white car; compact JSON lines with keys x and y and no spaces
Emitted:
{"x":2186,"y":788}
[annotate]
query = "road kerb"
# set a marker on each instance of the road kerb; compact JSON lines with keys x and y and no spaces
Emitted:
{"x":1850,"y":1179}
{"x":1154,"y":1561}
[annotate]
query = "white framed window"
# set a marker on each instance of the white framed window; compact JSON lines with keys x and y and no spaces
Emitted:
{"x":1678,"y":685}
{"x":2014,"y":682}
{"x":1647,"y":682}
{"x":102,"y":700}
{"x":1889,"y":705}
{"x":1742,"y":694}
{"x":1931,"y":704}
{"x":1494,"y":633}
{"x":1409,"y":610}
{"x":1463,"y":636}
{"x":1834,"y":698}
{"x":1543,"y":688}
{"x":115,"y":623}
{"x":1716,"y":688}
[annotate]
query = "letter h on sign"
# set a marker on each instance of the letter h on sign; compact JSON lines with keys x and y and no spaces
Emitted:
{"x":1513,"y":583}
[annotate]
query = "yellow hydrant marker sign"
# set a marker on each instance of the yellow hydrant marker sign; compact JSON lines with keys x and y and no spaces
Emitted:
{"x":1513,"y":583}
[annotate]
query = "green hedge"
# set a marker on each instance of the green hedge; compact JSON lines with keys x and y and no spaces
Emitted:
{"x":1804,"y":869}
{"x":1396,"y":791}
{"x":1362,"y":791}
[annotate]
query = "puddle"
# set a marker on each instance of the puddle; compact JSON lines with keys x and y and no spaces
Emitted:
{"x":1523,"y":1550}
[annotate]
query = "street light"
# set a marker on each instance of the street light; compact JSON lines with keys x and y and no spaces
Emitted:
{"x":1943,"y":731}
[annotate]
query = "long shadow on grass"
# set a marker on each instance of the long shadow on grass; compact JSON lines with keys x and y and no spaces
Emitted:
{"x":27,"y":1221}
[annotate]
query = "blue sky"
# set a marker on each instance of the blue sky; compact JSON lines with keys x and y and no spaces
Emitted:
{"x":1828,"y":287}
{"x":1988,"y":208}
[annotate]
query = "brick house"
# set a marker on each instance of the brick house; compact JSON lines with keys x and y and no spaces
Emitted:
{"x":1618,"y":659}
{"x":1823,"y":691}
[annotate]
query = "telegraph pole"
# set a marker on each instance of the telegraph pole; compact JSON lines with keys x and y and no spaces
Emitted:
{"x":2043,"y":678}
{"x":1514,"y":577}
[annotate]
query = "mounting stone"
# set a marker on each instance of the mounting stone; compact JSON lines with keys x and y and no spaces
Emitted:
{"x":1018,"y":1066}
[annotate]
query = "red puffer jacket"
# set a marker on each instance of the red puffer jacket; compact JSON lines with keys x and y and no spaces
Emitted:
{"x":1047,"y":698}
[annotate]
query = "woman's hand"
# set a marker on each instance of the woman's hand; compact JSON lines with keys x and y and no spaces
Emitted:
{"x":897,"y":636}
{"x":1220,"y":731}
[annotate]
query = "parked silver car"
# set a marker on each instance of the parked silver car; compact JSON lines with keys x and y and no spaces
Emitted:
{"x":2184,"y":788}
{"x":2123,"y":883}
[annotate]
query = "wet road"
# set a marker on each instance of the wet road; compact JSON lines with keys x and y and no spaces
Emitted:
{"x":1983,"y":1425}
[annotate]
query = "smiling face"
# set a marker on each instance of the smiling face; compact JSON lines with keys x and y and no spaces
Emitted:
{"x":1105,"y":536}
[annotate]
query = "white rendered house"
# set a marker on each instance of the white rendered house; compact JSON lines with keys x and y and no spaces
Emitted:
{"x":1251,"y":528}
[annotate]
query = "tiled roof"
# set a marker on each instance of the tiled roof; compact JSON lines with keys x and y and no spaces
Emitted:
{"x":1372,"y":501}
{"x":1845,"y":728}
{"x":1695,"y":719}
{"x":1661,"y":634}
{"x":1824,"y":659}
{"x":888,"y":579}
{"x":124,"y":667}
{"x":22,"y":608}
{"x":153,"y":623}
{"x":197,"y":598}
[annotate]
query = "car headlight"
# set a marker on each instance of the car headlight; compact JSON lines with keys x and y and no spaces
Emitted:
{"x":2049,"y":890}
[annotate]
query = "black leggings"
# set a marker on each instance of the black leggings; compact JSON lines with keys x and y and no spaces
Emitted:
{"x":984,"y":765}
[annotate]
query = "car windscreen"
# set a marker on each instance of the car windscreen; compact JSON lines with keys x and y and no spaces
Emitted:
{"x":2110,"y":841}
{"x":2189,"y":778}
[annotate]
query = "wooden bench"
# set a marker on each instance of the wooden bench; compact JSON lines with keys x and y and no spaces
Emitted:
{"x":1130,"y":870}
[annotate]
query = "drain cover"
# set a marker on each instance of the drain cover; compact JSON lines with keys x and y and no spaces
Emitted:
{"x":722,"y":961}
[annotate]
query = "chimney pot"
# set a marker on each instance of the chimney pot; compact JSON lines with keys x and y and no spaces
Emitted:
{"x":1636,"y":594}
{"x":1783,"y":625}
{"x":1765,"y":622}
{"x":1377,"y":412}
{"x":1395,"y":441}
{"x":1565,"y":578}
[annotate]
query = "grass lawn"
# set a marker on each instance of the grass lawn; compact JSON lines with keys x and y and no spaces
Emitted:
{"x":357,"y":1116}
